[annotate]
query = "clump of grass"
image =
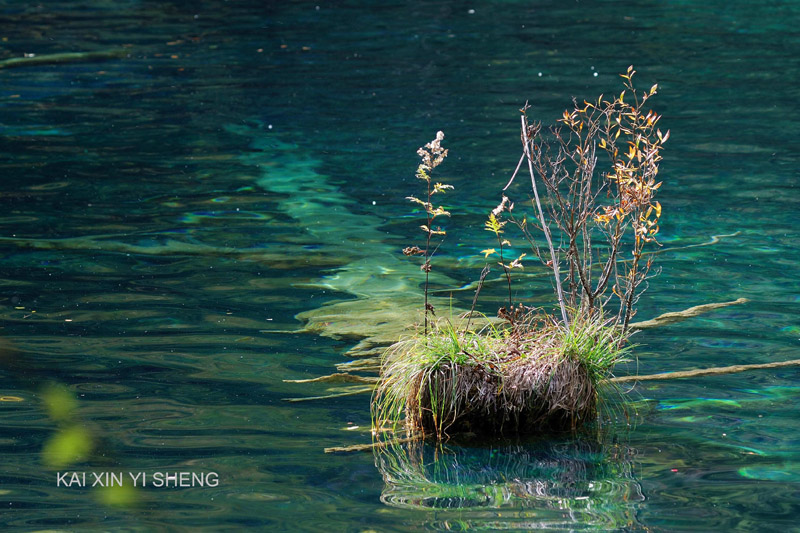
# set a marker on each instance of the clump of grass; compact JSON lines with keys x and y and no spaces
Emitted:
{"x":538,"y":375}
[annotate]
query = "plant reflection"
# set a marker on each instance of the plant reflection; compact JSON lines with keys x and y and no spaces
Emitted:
{"x":548,"y":483}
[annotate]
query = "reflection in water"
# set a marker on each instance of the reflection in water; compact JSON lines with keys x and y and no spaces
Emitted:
{"x":551,"y":483}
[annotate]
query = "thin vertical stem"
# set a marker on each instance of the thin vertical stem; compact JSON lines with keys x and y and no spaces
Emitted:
{"x":545,"y":228}
{"x":427,"y":264}
{"x":484,"y":273}
{"x":506,"y":270}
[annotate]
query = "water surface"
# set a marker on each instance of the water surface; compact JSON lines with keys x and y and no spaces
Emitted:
{"x":166,"y":215}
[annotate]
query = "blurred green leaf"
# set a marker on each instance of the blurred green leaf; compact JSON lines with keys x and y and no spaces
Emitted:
{"x":69,"y":445}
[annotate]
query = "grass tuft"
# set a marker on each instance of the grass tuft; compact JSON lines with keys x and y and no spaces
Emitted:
{"x":537,"y":375}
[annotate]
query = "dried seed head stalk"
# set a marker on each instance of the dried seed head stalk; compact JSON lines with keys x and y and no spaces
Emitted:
{"x":432,"y":155}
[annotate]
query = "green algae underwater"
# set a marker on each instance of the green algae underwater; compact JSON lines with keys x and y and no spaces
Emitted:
{"x":222,"y":209}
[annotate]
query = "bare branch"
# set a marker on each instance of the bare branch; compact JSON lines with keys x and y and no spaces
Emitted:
{"x":545,"y":228}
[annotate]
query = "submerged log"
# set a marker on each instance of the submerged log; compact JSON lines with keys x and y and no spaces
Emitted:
{"x":65,"y":57}
{"x":373,"y":446}
{"x":680,"y":316}
{"x":336,"y":378}
{"x":714,"y":371}
{"x":334,"y":393}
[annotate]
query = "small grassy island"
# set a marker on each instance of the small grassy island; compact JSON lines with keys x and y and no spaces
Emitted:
{"x":535,"y":376}
{"x":594,"y":227}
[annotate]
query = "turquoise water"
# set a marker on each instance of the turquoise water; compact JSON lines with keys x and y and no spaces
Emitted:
{"x":167,"y":215}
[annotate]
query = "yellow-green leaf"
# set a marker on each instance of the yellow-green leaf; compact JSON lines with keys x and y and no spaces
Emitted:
{"x":441,"y":187}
